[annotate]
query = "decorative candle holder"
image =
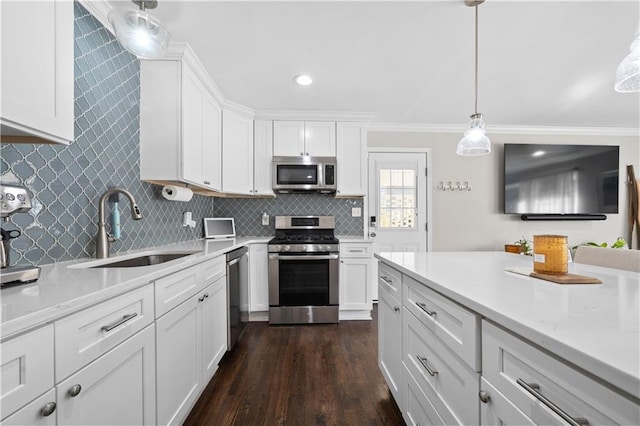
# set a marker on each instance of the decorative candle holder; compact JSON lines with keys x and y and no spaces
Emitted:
{"x":550,"y":254}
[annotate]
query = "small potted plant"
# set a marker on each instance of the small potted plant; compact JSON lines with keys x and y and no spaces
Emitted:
{"x":522,"y":246}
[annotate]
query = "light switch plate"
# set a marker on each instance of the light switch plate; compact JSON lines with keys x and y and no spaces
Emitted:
{"x":356,"y":211}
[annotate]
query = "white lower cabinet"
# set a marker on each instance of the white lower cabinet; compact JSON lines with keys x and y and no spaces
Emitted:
{"x":390,"y":342}
{"x":116,"y":389}
{"x":179,"y":357}
{"x":516,"y":383}
{"x":356,"y":282}
{"x":213,"y":317}
{"x":191,"y":339}
{"x":258,"y":278}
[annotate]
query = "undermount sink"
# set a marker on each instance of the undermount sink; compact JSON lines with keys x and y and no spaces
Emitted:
{"x":133,"y":261}
{"x":146,"y":260}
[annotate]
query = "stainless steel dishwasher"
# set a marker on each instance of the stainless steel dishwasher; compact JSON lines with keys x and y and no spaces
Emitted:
{"x":237,"y":293}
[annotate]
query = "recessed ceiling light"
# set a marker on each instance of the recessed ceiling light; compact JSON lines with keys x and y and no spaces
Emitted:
{"x":303,"y":80}
{"x":538,"y":153}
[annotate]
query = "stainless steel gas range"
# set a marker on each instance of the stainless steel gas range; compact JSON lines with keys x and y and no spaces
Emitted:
{"x":303,"y":271}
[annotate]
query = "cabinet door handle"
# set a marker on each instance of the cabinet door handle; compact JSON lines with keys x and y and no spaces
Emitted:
{"x":206,"y":182}
{"x":484,"y":396}
{"x":119,"y":322}
{"x":396,"y":308}
{"x":534,"y":389}
{"x":423,"y":361}
{"x":425,"y":309}
{"x":75,"y":390}
{"x":302,"y":153}
{"x":48,"y":409}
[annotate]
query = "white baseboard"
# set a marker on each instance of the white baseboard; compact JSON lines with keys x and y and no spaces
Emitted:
{"x":355,"y":315}
{"x":259,"y":316}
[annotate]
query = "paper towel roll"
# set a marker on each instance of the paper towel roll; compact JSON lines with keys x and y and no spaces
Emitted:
{"x":177,"y":193}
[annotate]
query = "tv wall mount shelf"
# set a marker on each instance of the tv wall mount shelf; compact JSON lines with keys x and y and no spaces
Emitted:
{"x":563,"y":217}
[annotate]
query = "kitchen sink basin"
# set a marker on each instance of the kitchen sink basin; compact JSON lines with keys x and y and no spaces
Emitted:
{"x":134,"y":261}
{"x":145,"y":260}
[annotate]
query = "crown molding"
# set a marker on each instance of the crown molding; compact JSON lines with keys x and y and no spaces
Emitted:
{"x":239,"y":108}
{"x":313,"y":115}
{"x":500,"y":129}
{"x":100,"y":10}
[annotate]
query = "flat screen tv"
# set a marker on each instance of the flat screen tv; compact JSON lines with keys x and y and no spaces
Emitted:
{"x":560,"y":179}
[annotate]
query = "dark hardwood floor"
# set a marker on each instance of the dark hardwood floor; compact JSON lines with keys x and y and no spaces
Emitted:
{"x":300,"y":375}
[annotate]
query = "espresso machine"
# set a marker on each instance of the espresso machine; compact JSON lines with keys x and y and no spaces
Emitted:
{"x":13,"y":199}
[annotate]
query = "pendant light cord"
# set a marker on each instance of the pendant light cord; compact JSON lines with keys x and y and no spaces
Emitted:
{"x":476,"y":64}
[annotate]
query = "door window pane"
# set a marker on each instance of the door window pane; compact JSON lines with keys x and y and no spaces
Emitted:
{"x":397,"y":198}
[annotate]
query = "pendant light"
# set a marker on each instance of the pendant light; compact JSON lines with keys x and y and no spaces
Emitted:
{"x":628,"y":73}
{"x":140,"y":33}
{"x":475,"y":140}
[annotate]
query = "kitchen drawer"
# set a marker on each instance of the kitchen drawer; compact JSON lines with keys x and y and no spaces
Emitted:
{"x":457,"y":327}
{"x":356,"y":250}
{"x":418,"y":410}
{"x":390,"y":279}
{"x":450,"y":384}
{"x":509,"y":364}
{"x":214,"y":269}
{"x":176,"y":288}
{"x":33,"y":414}
{"x":27,"y":368}
{"x":86,"y":335}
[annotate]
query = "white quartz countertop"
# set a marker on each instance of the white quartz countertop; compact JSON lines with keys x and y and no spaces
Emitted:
{"x":593,"y":326}
{"x":63,"y":288}
{"x":353,"y":239}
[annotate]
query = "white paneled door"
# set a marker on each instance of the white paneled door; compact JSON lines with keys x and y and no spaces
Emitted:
{"x":397,"y":196}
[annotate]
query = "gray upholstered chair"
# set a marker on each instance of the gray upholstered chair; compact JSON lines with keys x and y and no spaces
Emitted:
{"x":625,"y":259}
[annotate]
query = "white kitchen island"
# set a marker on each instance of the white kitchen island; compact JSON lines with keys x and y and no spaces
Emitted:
{"x":513,"y":338}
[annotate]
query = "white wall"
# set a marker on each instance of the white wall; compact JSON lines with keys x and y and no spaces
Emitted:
{"x":474,"y":220}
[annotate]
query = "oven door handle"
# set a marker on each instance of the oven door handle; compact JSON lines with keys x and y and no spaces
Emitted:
{"x":304,"y":257}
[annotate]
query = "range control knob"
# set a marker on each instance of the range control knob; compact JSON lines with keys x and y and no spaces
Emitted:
{"x":304,"y":248}
{"x":287,"y":248}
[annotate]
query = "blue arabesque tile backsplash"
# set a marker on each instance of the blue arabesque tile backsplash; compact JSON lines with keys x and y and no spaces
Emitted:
{"x":67,"y":181}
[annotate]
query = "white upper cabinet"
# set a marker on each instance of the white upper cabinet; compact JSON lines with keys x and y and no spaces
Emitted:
{"x":312,"y":138}
{"x":180,"y":123}
{"x":237,"y":153}
{"x":352,"y":159}
{"x":262,"y":155}
{"x":37,"y":71}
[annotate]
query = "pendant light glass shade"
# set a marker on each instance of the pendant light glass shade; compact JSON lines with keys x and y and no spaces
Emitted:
{"x":475,"y":140}
{"x":628,"y":72}
{"x":140,"y":33}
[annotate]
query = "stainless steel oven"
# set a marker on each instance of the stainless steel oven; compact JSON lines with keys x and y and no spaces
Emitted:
{"x":303,"y":271}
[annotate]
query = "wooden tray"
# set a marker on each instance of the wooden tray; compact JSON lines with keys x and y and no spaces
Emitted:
{"x":566,"y":278}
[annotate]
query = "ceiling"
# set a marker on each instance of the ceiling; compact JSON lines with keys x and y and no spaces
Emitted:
{"x":542,"y":63}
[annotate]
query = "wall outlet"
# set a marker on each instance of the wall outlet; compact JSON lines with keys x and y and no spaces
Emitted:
{"x":356,"y":211}
{"x":265,"y":219}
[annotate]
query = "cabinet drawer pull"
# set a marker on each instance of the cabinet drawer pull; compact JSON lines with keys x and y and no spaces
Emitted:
{"x":204,"y":296}
{"x":534,"y":389}
{"x":423,"y":361}
{"x":48,"y":409}
{"x":119,"y":322}
{"x":356,"y":251}
{"x":386,"y":280}
{"x":484,"y":396}
{"x":425,"y":309}
{"x":206,"y":182}
{"x":75,"y":390}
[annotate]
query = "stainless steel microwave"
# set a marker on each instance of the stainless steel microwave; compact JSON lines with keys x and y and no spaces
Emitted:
{"x":304,"y":174}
